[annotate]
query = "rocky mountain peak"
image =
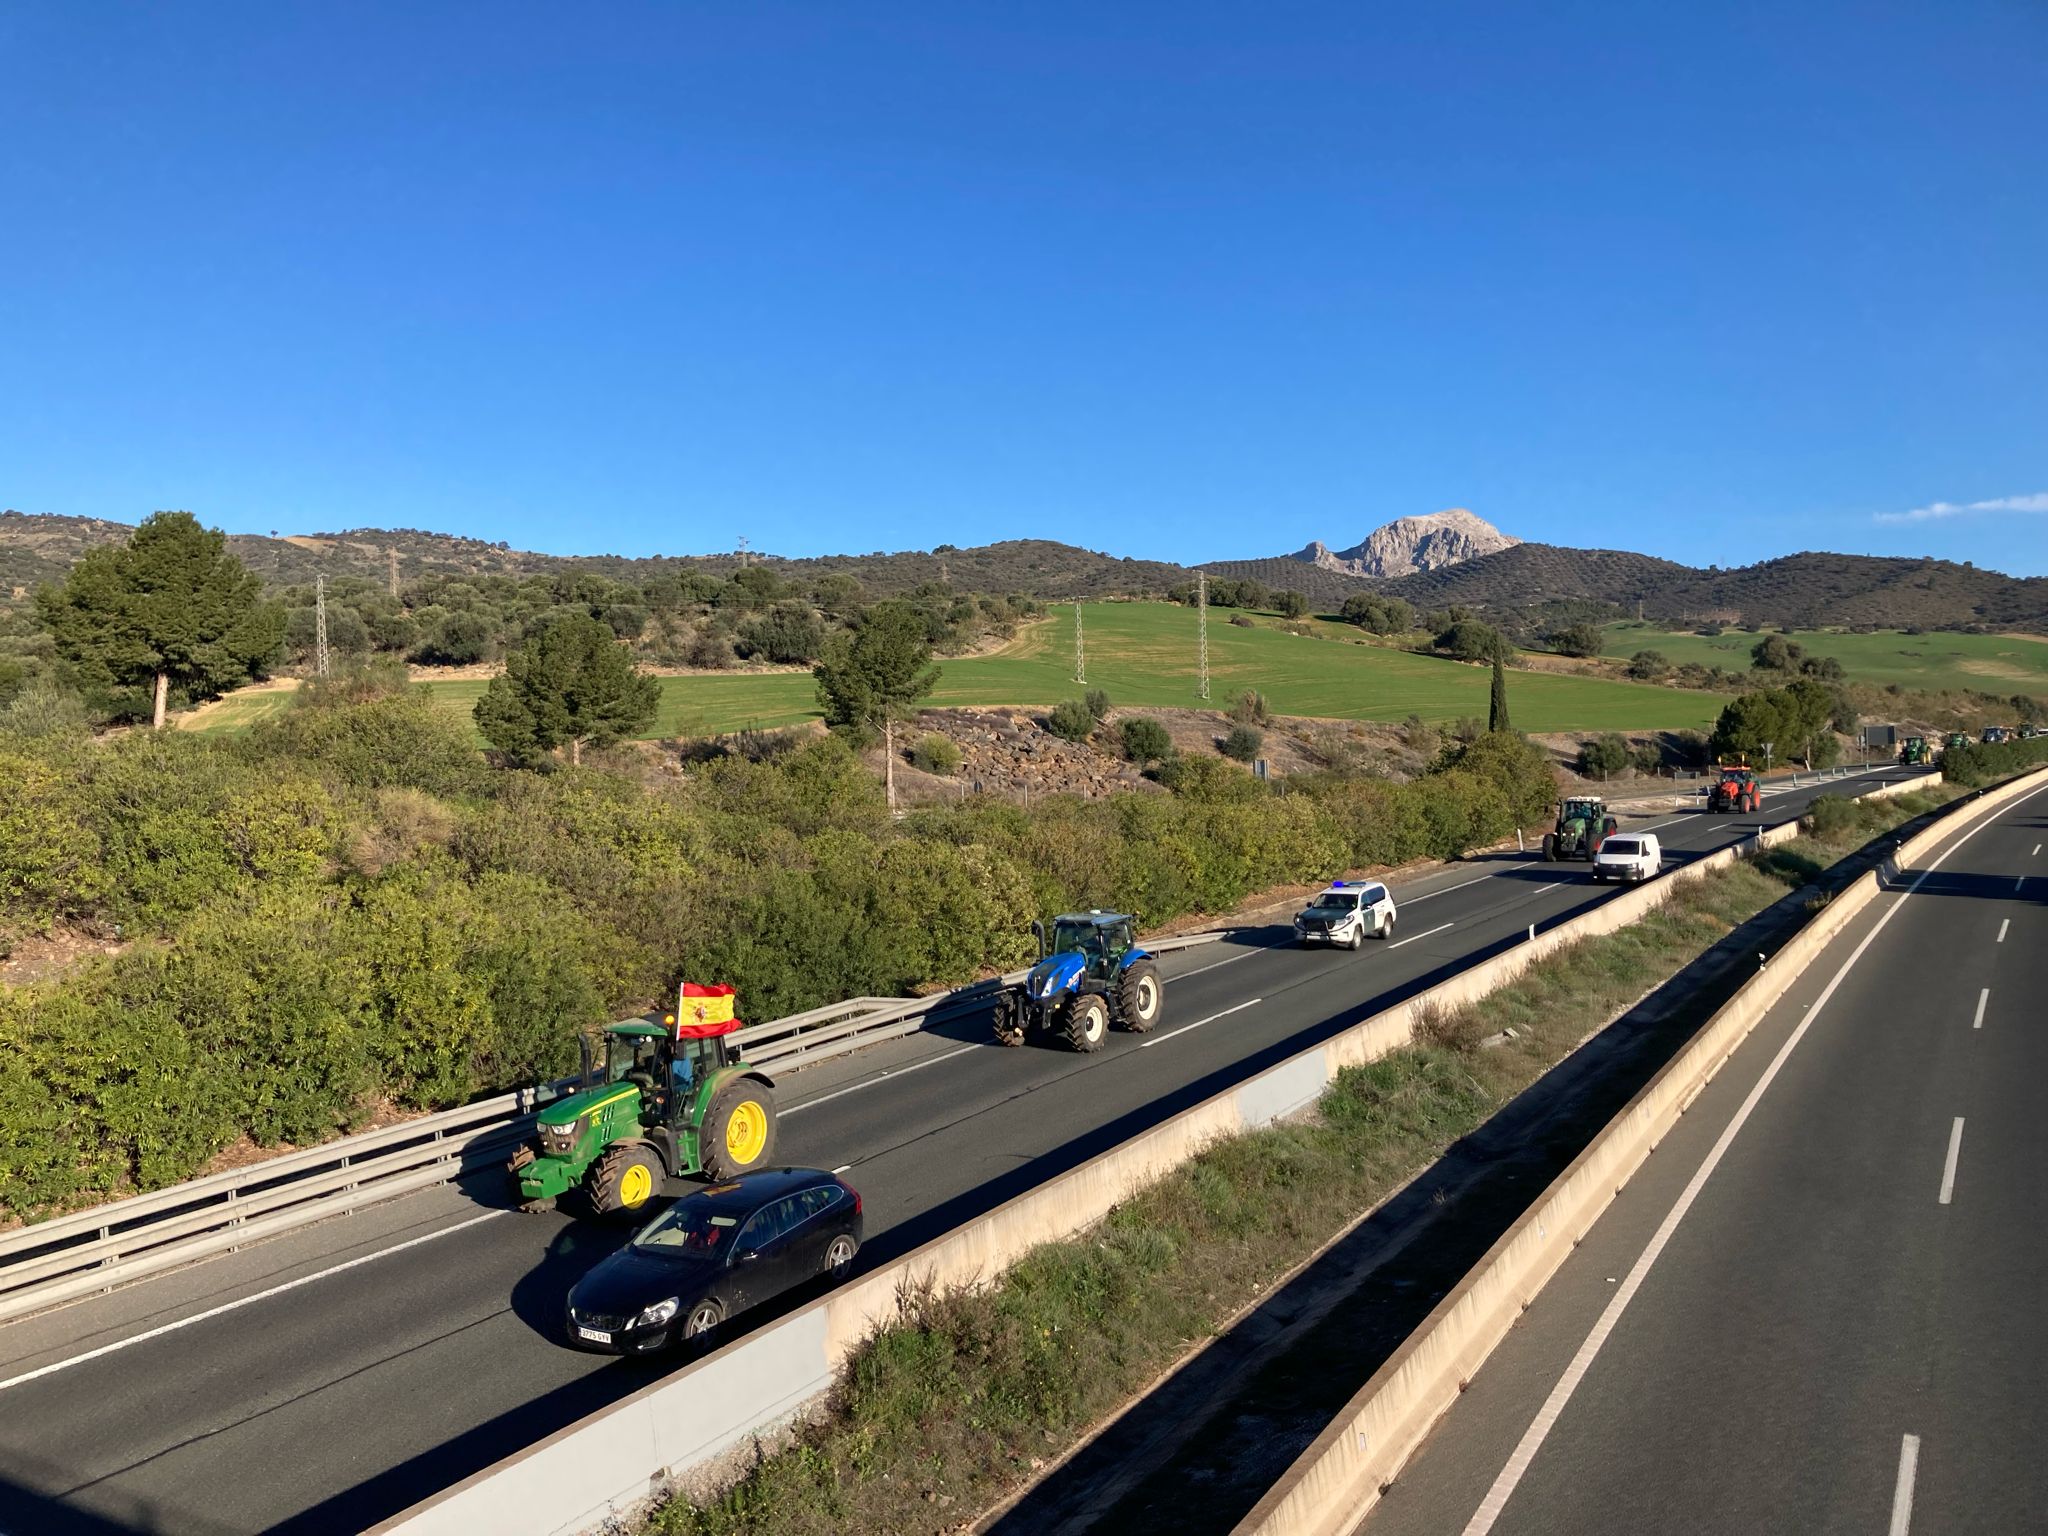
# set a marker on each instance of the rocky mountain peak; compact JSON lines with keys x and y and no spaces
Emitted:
{"x":1411,"y":544}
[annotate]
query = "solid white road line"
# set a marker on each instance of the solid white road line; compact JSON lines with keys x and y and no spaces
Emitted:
{"x":1546,"y":1418}
{"x":1414,"y":936}
{"x":1948,"y":1169}
{"x":1902,"y":1490}
{"x":246,"y":1301}
{"x":840,"y":1093}
{"x":2007,"y":923}
{"x":1226,"y":1013}
{"x":1982,"y":998}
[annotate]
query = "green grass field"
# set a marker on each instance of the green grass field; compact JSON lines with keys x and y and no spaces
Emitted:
{"x":1143,"y":654}
{"x":238,"y":711}
{"x":1990,"y":663}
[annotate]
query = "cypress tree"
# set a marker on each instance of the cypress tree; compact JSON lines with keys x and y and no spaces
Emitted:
{"x":1497,"y":710}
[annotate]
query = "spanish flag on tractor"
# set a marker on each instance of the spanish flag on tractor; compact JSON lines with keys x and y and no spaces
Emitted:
{"x":702,"y":1011}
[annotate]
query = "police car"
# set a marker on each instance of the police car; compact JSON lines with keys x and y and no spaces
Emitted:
{"x":1346,"y":913}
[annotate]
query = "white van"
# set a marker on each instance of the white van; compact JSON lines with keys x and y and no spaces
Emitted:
{"x":1630,"y":856}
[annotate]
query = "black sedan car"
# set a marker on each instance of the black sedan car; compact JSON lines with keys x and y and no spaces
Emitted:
{"x":713,"y":1254}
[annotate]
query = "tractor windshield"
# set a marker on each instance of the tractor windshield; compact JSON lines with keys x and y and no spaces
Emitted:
{"x":1084,"y":937}
{"x":633,"y":1058}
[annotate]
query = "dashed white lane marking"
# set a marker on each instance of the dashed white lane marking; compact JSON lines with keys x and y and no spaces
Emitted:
{"x":842,"y":1168}
{"x":1982,"y":998}
{"x":1226,"y":1013}
{"x":245,"y":1301}
{"x":1524,"y":1454}
{"x":1542,"y":888}
{"x":2017,"y":884}
{"x":2036,"y":853}
{"x":2003,"y":925}
{"x":1902,"y":1490}
{"x":1409,"y":901}
{"x":1414,"y":936}
{"x":1217,"y":965}
{"x":1948,"y":1168}
{"x":840,"y":1093}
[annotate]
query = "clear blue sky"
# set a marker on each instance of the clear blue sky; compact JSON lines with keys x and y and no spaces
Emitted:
{"x":1179,"y":280}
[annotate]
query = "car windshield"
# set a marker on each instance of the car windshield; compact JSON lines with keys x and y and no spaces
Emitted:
{"x":634,"y":1056}
{"x":688,"y":1227}
{"x":1335,"y":901}
{"x":1621,"y":845}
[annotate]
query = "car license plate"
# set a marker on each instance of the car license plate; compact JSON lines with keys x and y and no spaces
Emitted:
{"x":595,"y":1335}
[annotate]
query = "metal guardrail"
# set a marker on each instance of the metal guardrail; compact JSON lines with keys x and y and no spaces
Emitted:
{"x":95,"y":1250}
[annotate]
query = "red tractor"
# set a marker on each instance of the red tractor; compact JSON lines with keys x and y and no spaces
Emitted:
{"x":1736,"y":790}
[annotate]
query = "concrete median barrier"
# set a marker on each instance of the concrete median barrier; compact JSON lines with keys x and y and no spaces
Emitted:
{"x":1333,"y":1484}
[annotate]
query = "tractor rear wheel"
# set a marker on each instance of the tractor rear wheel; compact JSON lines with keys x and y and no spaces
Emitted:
{"x":1139,"y":997}
{"x":625,"y":1179}
{"x":1085,"y":1023}
{"x":739,"y":1132}
{"x":1007,"y":1019}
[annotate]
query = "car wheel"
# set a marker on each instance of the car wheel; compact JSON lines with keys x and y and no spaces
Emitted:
{"x":703,"y":1317}
{"x":839,"y":1256}
{"x":1387,"y":932}
{"x":1357,"y":937}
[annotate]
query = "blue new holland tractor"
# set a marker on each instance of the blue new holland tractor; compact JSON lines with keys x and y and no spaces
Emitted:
{"x":1090,"y":973}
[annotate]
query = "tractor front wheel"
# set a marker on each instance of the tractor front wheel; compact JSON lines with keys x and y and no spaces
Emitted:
{"x":1138,"y":996}
{"x":1086,"y":1024}
{"x":739,"y":1132}
{"x":1550,"y":847}
{"x":625,"y":1179}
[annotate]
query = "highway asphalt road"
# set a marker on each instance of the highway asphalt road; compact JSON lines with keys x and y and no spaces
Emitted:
{"x":321,"y":1381}
{"x":1817,"y":1308}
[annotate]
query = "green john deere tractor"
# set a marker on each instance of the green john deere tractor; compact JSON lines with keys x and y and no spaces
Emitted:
{"x":657,"y":1101}
{"x":1914,"y":750}
{"x":1582,"y":826}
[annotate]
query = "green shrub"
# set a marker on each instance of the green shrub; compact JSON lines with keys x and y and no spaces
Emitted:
{"x":1243,"y":743}
{"x":1249,"y":708}
{"x":1145,"y":740}
{"x":1604,"y":756}
{"x":936,"y":754}
{"x":1097,"y":700}
{"x":1072,"y":719}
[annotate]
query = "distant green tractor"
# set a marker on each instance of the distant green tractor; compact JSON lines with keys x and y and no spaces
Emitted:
{"x":1914,"y":751}
{"x":658,"y":1101}
{"x":1582,"y":826}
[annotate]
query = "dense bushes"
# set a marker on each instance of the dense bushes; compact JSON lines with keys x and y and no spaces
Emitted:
{"x":345,"y":910}
{"x":1973,"y":764}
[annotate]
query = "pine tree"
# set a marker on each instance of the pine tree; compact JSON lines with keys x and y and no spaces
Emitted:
{"x":1497,"y":710}
{"x":570,"y":685}
{"x":170,"y":608}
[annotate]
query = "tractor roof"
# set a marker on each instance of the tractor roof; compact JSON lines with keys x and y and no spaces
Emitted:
{"x":1095,"y":915}
{"x":637,"y":1028}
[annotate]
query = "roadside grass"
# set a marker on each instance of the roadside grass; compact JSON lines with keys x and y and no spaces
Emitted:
{"x":970,"y":1392}
{"x":1144,"y":655}
{"x":1936,"y":661}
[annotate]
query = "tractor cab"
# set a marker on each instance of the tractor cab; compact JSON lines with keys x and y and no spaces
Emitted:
{"x":1583,"y":824}
{"x":1101,"y":939}
{"x":1914,"y":750}
{"x":664,"y":1064}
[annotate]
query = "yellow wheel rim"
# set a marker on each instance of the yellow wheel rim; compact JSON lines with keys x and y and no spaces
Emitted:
{"x":746,"y":1132}
{"x":635,"y":1185}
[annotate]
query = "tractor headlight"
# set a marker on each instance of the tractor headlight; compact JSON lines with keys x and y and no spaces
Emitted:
{"x":560,"y":1139}
{"x":659,"y":1313}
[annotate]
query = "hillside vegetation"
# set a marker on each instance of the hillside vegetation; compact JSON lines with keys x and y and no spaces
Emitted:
{"x":347,"y":908}
{"x":1808,"y":591}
